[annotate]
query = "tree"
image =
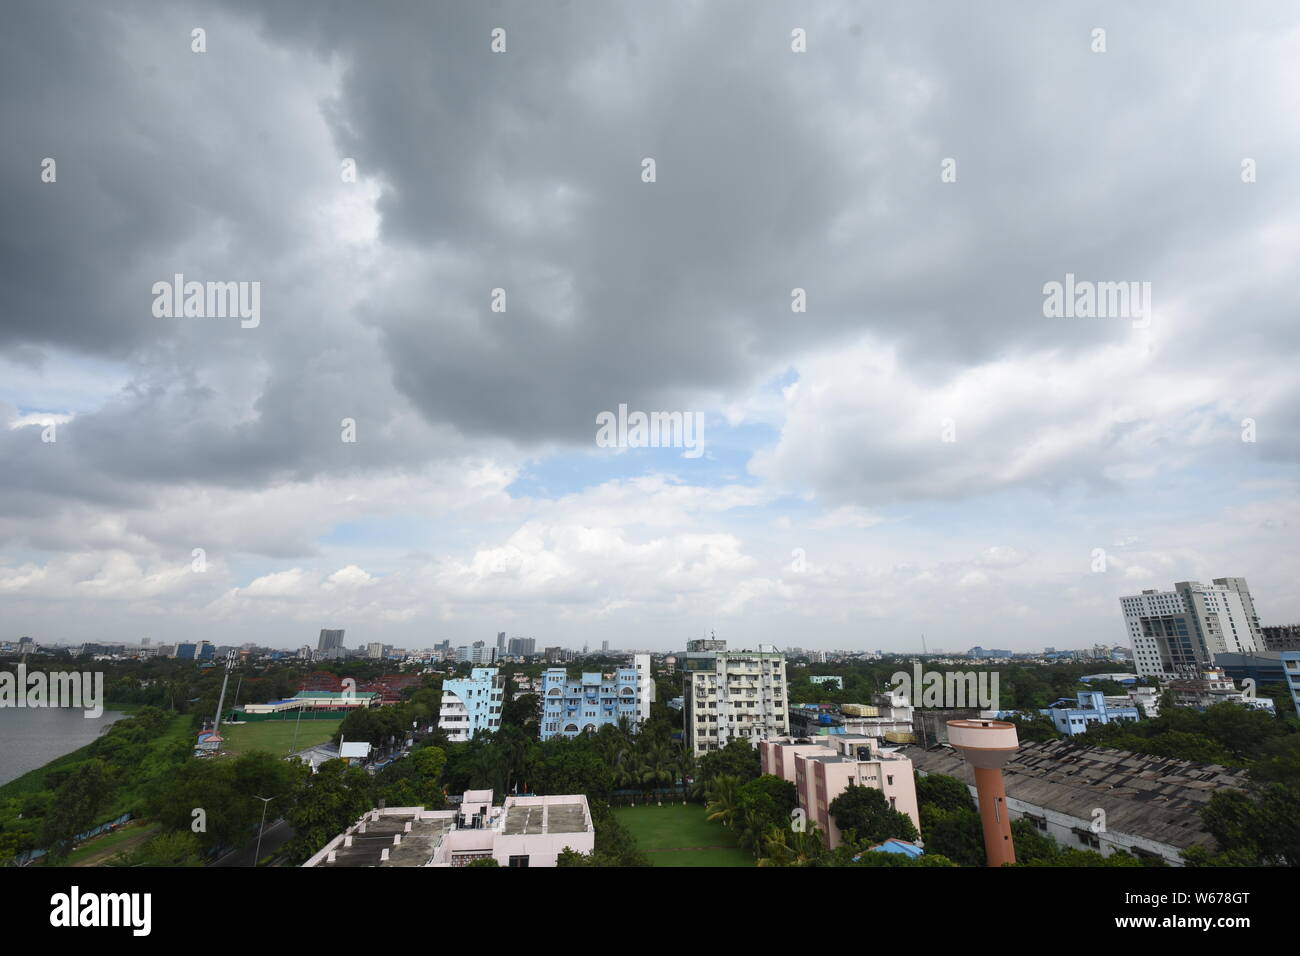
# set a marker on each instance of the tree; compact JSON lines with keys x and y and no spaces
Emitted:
{"x":866,"y":812}
{"x":335,"y":797}
{"x":943,"y":792}
{"x":658,"y":767}
{"x":1278,"y":761}
{"x":216,"y":800}
{"x":723,"y":800}
{"x":173,"y":848}
{"x":955,"y":834}
{"x":782,"y":846}
{"x":761,"y":804}
{"x":1263,"y":827}
{"x":1033,"y":728}
{"x":737,"y":759}
{"x":521,"y":712}
{"x":565,"y":766}
{"x":83,"y":795}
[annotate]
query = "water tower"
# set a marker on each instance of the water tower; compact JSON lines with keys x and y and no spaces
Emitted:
{"x":987,"y":745}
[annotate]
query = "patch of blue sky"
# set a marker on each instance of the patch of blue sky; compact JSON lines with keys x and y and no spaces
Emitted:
{"x":726,"y":453}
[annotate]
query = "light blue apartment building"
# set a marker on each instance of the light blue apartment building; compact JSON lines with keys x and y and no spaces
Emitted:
{"x":1092,"y":709}
{"x":472,"y":705}
{"x":571,"y":706}
{"x":1291,"y":670}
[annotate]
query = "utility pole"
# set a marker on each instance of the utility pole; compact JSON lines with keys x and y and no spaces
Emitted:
{"x":221,"y":701}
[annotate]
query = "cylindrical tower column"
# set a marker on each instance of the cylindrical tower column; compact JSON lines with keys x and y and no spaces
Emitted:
{"x":998,"y":847}
{"x":987,"y":745}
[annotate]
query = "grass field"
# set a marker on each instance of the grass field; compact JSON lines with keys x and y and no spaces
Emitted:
{"x":676,"y":835}
{"x":101,"y":848}
{"x":277,"y":736}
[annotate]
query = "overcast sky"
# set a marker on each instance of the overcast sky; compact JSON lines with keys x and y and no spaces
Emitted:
{"x":921,"y":451}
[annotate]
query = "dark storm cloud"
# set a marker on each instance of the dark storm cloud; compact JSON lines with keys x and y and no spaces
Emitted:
{"x":521,"y":170}
{"x":775,"y":171}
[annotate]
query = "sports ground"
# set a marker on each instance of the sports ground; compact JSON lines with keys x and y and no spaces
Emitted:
{"x":676,"y":835}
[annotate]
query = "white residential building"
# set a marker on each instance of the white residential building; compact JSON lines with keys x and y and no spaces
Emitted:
{"x":734,"y":695}
{"x":526,"y":831}
{"x":479,"y":652}
{"x":1180,"y":631}
{"x":472,"y":705}
{"x":645,"y":686}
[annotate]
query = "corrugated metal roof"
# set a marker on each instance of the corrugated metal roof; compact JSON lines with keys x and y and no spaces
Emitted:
{"x":1159,"y":798}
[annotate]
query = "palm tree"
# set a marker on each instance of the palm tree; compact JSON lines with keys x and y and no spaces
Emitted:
{"x":784,"y":847}
{"x":686,"y":767}
{"x":514,"y":752}
{"x":627,"y":773}
{"x":658,"y":766}
{"x":723,"y":795}
{"x":749,"y":830}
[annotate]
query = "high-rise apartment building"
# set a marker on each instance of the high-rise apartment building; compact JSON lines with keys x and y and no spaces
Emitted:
{"x":477,"y":653}
{"x":330,"y":639}
{"x":733,"y":695}
{"x":1247,"y":603}
{"x":472,"y":705}
{"x":522,"y":646}
{"x":1179,"y":632}
{"x":575,"y":705}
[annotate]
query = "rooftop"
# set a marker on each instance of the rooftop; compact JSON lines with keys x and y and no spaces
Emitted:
{"x":551,"y":818}
{"x":1158,"y":798}
{"x":416,"y":848}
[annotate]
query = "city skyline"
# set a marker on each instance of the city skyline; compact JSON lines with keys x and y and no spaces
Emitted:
{"x":856,"y":275}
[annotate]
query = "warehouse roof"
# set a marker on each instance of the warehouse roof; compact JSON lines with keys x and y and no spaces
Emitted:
{"x":1158,"y":798}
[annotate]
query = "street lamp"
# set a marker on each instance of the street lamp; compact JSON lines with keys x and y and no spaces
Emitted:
{"x":257,"y":855}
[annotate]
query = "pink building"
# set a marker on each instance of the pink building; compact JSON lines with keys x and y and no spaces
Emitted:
{"x":821,"y":768}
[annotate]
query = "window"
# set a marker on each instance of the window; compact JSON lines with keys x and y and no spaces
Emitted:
{"x":519,"y":861}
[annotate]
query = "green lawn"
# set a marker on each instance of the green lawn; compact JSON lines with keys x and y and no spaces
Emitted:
{"x":676,"y":835}
{"x":277,"y":736}
{"x":107,"y":845}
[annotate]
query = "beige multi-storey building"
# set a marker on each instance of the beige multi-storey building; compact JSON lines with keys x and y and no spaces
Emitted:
{"x":1181,"y":631}
{"x":822,"y":768}
{"x":734,"y":695}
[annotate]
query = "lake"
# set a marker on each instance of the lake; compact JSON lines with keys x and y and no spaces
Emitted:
{"x":31,"y":737}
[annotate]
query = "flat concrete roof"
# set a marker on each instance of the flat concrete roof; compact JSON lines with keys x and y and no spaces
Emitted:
{"x":416,"y":848}
{"x":567,"y":818}
{"x":524,"y":819}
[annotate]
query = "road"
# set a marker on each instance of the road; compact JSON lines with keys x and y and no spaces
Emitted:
{"x":277,"y":835}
